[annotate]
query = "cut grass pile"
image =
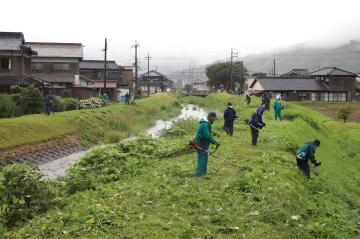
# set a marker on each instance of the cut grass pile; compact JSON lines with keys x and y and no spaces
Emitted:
{"x":151,"y":191}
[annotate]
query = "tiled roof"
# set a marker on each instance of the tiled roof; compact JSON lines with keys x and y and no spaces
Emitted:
{"x":152,"y":73}
{"x":298,"y":72}
{"x":100,"y":84}
{"x":95,"y":64}
{"x":11,"y":41}
{"x":21,"y":81}
{"x":289,"y":84}
{"x":48,"y":49}
{"x":332,"y":71}
{"x":56,"y":78}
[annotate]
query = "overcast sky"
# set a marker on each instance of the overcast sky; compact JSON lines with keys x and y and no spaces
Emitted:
{"x":183,"y":32}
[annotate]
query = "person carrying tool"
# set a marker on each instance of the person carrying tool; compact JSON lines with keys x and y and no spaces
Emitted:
{"x":256,"y":123}
{"x":248,"y":99}
{"x":306,"y":153}
{"x":278,"y":108}
{"x":203,"y":139}
{"x":229,"y":118}
{"x":266,"y":100}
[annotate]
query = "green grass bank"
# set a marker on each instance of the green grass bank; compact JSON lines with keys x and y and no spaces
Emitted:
{"x":146,"y":188}
{"x":108,"y":124}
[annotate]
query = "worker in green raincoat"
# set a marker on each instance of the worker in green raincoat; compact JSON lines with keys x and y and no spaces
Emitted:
{"x":203,"y":139}
{"x":278,"y":108}
{"x":306,"y":153}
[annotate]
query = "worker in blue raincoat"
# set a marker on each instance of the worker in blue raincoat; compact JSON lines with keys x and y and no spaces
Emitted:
{"x":49,"y":103}
{"x":256,"y":123}
{"x":229,"y":118}
{"x":203,"y":139}
{"x":306,"y":153}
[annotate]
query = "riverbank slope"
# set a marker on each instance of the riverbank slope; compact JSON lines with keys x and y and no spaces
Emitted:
{"x":146,"y":188}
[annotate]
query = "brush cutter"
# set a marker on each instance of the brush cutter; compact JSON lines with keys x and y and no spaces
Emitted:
{"x":247,"y":122}
{"x":193,"y":145}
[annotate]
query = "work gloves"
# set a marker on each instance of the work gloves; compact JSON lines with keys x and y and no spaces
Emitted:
{"x":317,"y":164}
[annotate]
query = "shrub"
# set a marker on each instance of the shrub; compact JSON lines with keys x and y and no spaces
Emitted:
{"x":71,"y":103}
{"x":8,"y":107}
{"x":31,"y":101}
{"x":15,"y":89}
{"x":59,"y":104}
{"x":65,"y":104}
{"x":344,"y":113}
{"x":22,"y":194}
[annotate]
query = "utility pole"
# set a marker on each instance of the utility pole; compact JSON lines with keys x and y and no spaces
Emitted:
{"x":231,"y":70}
{"x":274,"y":69}
{"x":105,"y":65}
{"x":242,"y":81}
{"x":136,"y":68}
{"x":233,"y":54}
{"x":148,"y":73}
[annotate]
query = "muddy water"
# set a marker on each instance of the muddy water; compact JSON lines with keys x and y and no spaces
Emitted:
{"x":57,"y":168}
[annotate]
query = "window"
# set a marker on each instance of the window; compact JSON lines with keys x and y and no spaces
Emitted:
{"x":324,"y":97}
{"x":301,"y":96}
{"x":331,"y":96}
{"x":61,"y":67}
{"x":37,"y":66}
{"x":338,"y":96}
{"x":343,"y":96}
{"x":5,"y":63}
{"x":313,"y":96}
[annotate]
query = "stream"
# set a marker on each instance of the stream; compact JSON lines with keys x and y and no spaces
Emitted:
{"x":58,"y":167}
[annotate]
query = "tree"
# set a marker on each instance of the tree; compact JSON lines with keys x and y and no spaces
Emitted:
{"x":344,"y":113}
{"x":219,"y":75}
{"x":188,"y":88}
{"x":31,"y":101}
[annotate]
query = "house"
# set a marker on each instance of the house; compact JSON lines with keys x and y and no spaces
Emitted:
{"x":296,"y":73}
{"x":127,"y":74}
{"x":91,"y":79}
{"x":156,"y":81}
{"x":200,"y":88}
{"x":328,"y":84}
{"x":56,"y":63}
{"x":15,"y":62}
{"x":338,"y":81}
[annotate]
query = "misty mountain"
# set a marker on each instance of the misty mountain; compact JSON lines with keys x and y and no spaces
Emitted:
{"x":346,"y":56}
